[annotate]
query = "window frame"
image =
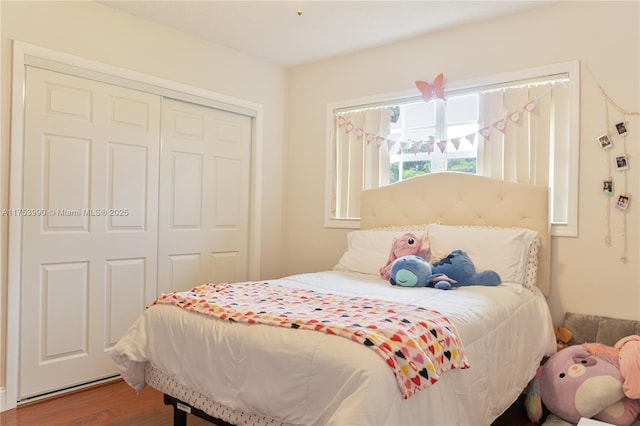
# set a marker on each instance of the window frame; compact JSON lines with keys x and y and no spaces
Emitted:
{"x":572,"y":68}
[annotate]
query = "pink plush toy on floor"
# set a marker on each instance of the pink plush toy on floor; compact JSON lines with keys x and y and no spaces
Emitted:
{"x":407,"y":244}
{"x":629,"y":357}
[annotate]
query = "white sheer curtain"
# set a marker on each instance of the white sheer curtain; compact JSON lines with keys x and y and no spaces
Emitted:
{"x":359,"y":158}
{"x":528,"y":150}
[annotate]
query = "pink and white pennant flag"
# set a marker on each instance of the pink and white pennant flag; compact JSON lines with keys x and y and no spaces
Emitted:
{"x":429,"y":147}
{"x":456,"y":143}
{"x":359,"y":132}
{"x":485,"y":132}
{"x":341,"y":121}
{"x":390,"y":144}
{"x":350,"y":126}
{"x":515,"y":117}
{"x":415,"y":147}
{"x":501,"y":125}
{"x":471,"y":137}
{"x":531,"y":106}
{"x":370,"y":137}
{"x":443,"y":146}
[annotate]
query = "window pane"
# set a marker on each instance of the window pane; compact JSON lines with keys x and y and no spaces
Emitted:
{"x":462,"y":130}
{"x":419,"y":114}
{"x":409,"y":169}
{"x":420,"y":134}
{"x":461,"y":109}
{"x":466,"y":165}
{"x":394,"y":172}
{"x":416,"y":168}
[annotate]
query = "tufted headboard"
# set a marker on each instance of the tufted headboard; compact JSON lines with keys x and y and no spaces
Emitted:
{"x":452,"y":198}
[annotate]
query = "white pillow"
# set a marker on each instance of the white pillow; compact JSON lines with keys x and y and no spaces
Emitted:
{"x":503,"y":250}
{"x":368,"y":250}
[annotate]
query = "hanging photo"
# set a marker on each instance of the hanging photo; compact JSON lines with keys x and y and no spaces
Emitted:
{"x":623,"y":202}
{"x":621,"y":162}
{"x":605,"y":141}
{"x":621,"y":128}
{"x":607,"y":187}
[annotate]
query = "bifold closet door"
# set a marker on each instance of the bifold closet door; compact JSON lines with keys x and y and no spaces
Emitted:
{"x":204,"y":196}
{"x":89,"y":243}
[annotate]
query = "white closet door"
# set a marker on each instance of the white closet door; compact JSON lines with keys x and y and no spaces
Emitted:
{"x":90,"y":246}
{"x":204,"y":196}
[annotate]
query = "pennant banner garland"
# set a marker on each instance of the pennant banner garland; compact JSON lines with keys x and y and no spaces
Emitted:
{"x":428,"y":145}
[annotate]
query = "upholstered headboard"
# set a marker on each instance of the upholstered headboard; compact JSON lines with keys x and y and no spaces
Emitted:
{"x":452,"y":198}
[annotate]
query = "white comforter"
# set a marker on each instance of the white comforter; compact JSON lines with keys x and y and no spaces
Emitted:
{"x":312,"y":378}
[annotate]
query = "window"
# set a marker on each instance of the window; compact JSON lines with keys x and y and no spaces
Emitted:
{"x":520,"y":127}
{"x":430,"y":122}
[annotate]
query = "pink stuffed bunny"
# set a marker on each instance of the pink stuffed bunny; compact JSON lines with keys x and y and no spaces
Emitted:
{"x":406,"y":245}
{"x":629,"y":356}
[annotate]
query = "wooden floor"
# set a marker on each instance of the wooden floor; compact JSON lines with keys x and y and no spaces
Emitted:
{"x":117,"y":404}
{"x":114,"y":403}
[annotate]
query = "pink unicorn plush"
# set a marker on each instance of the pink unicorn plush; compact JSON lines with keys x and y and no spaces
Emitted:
{"x":407,"y":244}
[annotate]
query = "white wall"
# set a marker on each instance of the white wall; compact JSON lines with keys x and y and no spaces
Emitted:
{"x":587,"y":276}
{"x":99,"y":33}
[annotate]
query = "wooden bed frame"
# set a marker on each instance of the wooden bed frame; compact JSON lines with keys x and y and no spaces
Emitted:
{"x":447,"y":198}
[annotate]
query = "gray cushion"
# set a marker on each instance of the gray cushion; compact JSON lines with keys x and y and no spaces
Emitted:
{"x":593,"y":328}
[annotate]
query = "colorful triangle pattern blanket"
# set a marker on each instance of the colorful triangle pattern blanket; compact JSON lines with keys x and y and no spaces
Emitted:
{"x":419,"y":344}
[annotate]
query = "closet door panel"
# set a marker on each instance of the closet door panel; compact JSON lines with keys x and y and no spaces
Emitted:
{"x":89,"y":259}
{"x":127,"y":187}
{"x":64,"y":285}
{"x":184,"y":270}
{"x":228,"y":194}
{"x":65,"y":173}
{"x":186,"y":191}
{"x":125,"y":293}
{"x":204,"y":196}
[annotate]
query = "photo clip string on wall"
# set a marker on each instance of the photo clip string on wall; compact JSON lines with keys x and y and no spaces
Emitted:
{"x":606,"y":142}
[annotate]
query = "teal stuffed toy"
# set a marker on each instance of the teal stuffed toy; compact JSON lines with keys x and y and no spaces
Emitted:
{"x":455,"y":270}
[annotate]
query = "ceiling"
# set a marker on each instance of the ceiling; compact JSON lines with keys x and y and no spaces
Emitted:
{"x":273,"y":30}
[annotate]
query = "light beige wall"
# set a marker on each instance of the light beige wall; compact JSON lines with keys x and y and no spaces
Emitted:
{"x":96,"y":32}
{"x":588,"y":277}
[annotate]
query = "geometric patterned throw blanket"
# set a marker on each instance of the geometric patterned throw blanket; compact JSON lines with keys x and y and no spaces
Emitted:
{"x":417,"y":343}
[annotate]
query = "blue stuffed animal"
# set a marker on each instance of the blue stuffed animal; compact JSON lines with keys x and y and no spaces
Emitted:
{"x":411,"y":271}
{"x":455,"y":270}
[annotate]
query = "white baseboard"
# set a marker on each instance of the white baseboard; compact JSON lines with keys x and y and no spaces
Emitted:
{"x":3,"y":399}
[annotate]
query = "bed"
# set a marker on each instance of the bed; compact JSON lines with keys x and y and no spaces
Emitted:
{"x":238,"y":372}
